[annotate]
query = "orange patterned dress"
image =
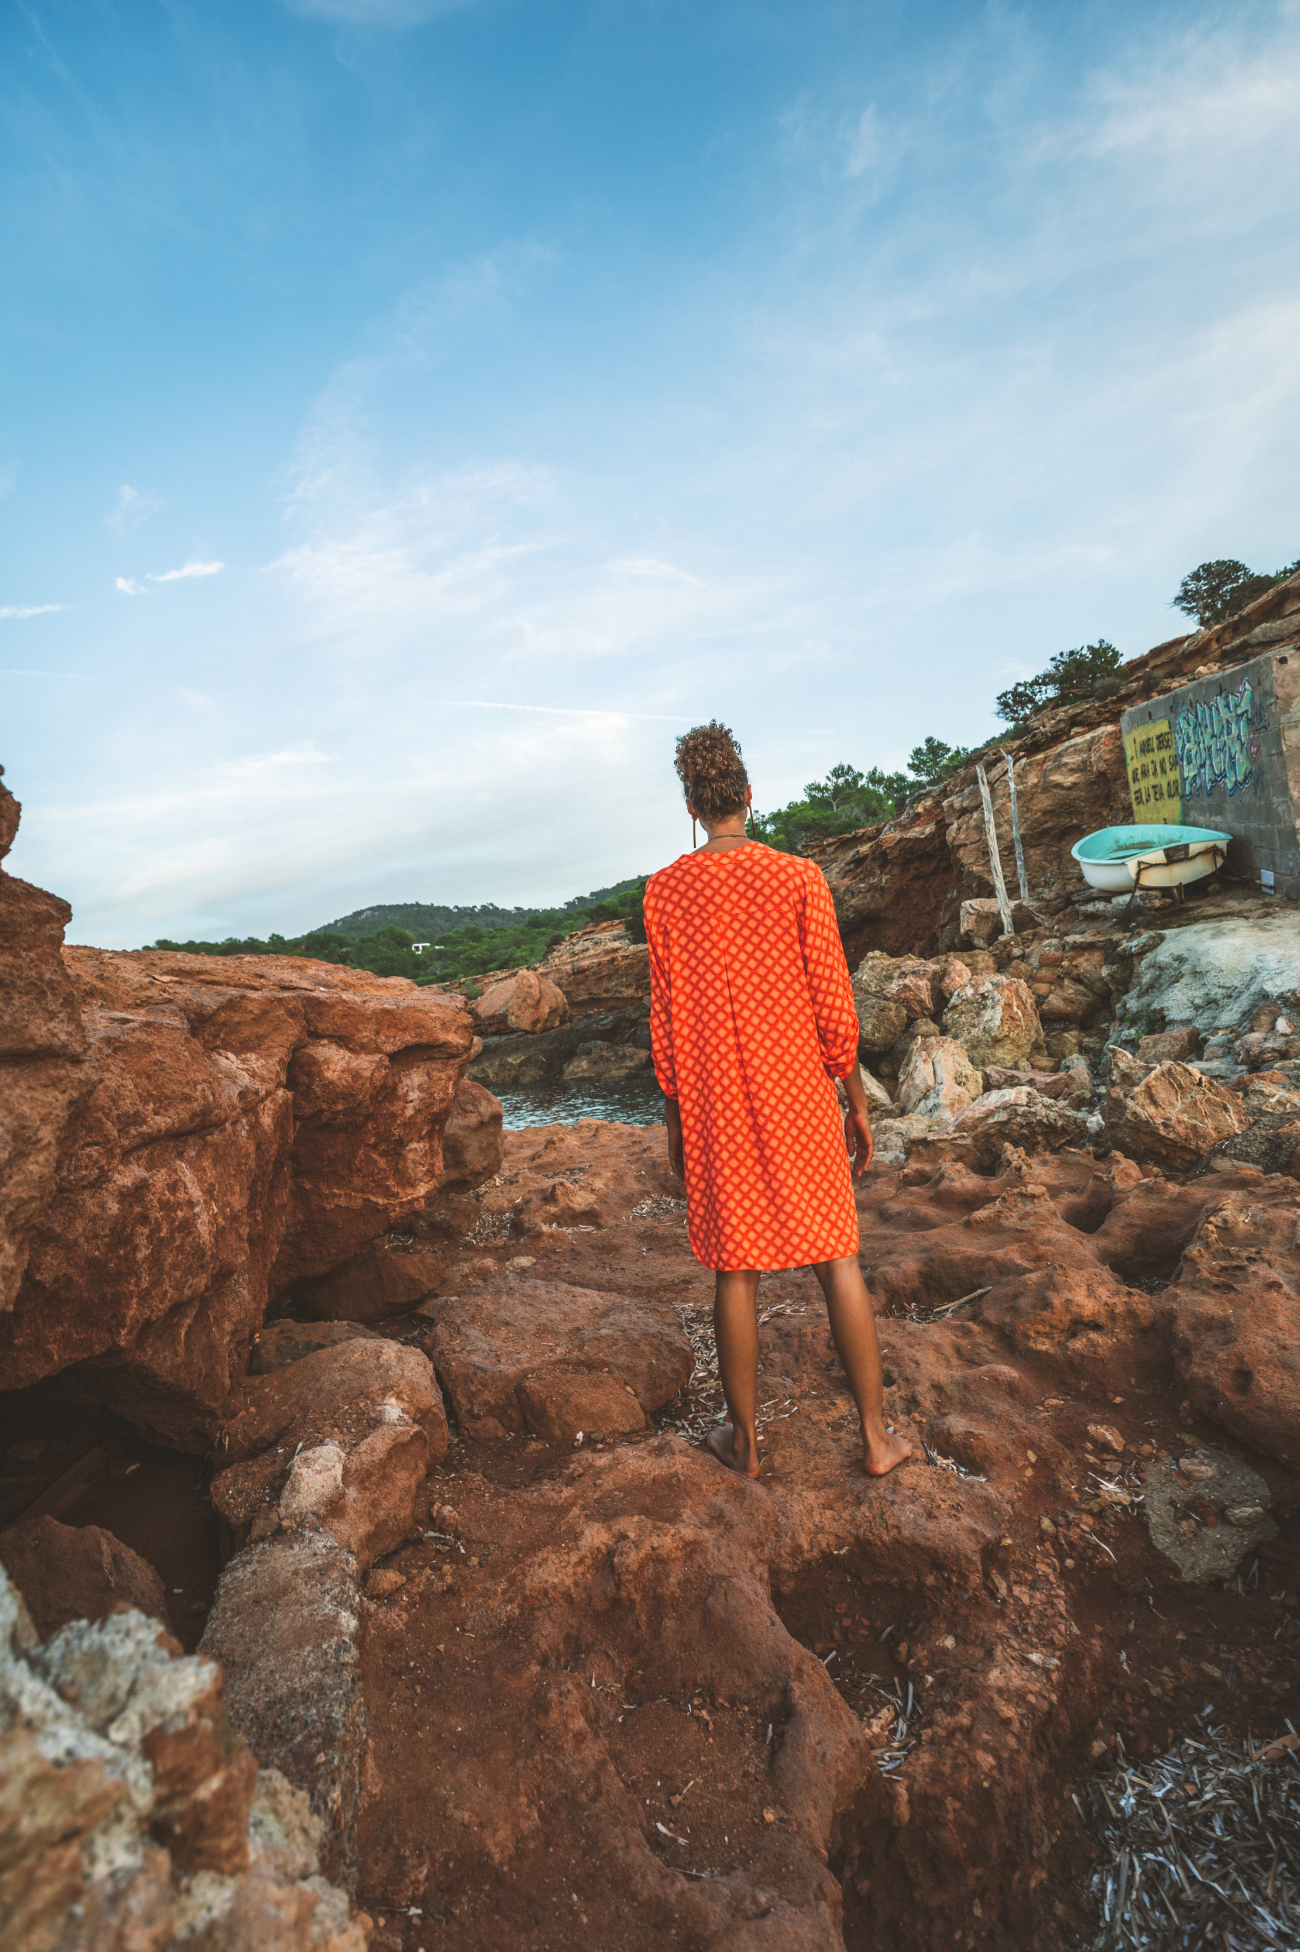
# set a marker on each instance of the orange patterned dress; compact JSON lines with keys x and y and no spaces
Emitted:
{"x":751,"y":1015}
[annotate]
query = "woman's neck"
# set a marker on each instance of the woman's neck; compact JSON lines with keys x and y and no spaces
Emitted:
{"x":723,"y":838}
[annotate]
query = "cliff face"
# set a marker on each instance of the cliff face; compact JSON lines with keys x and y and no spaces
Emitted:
{"x":187,"y":1137}
{"x":899,"y":885}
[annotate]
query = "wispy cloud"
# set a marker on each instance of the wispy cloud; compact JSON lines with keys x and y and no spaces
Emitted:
{"x":131,"y":507}
{"x":183,"y":574}
{"x":129,"y":587}
{"x":31,"y":609}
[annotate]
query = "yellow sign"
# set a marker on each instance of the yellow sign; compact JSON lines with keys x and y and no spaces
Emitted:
{"x":1154,"y":781}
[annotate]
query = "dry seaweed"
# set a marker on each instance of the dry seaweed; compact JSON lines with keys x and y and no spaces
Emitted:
{"x":1200,"y":1848}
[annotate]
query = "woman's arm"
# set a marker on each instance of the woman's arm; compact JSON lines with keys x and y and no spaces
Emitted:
{"x":857,"y":1124}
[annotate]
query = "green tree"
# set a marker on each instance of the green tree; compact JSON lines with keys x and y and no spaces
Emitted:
{"x":1069,"y":677}
{"x":1216,"y":590}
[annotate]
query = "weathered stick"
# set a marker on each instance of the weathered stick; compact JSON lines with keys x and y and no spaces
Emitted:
{"x":1021,"y":876}
{"x":995,"y":859}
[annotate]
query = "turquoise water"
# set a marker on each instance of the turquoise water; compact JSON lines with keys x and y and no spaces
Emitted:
{"x":632,"y":1101}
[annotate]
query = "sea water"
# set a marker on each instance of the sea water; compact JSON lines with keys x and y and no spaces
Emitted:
{"x":630,"y":1101}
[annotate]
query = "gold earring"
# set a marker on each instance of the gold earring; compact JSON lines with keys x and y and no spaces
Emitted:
{"x":694,"y":841}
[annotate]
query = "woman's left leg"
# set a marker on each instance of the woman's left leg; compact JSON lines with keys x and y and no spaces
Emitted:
{"x":735,"y":1329}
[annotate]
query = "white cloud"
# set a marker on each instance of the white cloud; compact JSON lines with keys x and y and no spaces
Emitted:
{"x":131,"y":507}
{"x":190,"y":569}
{"x":128,"y":587}
{"x":31,"y":609}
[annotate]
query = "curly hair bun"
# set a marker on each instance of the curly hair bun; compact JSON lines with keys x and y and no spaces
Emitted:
{"x":712,"y":771}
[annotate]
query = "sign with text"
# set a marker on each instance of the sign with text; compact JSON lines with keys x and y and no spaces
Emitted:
{"x":1154,"y":780}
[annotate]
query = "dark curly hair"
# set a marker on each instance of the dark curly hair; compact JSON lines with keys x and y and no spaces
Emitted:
{"x":712,"y":771}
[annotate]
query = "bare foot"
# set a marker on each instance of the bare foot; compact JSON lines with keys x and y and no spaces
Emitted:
{"x":882,"y":1456}
{"x":721,"y":1440}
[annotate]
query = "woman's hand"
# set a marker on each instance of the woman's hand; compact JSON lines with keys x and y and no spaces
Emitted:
{"x":861,"y":1145}
{"x":673,"y":1120}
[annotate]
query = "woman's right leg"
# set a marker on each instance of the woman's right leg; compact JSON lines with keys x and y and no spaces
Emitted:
{"x":735,"y":1329}
{"x":853,"y":1330}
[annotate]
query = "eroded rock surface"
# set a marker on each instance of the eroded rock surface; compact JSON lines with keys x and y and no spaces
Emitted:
{"x":69,"y":1572}
{"x":245,"y":1123}
{"x":134,"y":1819}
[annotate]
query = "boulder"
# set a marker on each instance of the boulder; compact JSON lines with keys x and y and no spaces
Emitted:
{"x":384,"y":1279}
{"x":981,"y":919}
{"x":134,"y":1818}
{"x":896,"y":1137}
{"x":914,"y":988}
{"x":341,"y":1439}
{"x":284,"y":1625}
{"x":896,"y":1059}
{"x":560,"y":1406}
{"x":955,"y":977}
{"x":938,"y":1080}
{"x":42,"y":1044}
{"x":881,"y":1022}
{"x":488,"y":1346}
{"x":1218,"y":972}
{"x":1235,"y":1314}
{"x":995,"y":1018}
{"x":523,"y":1002}
{"x":471,"y":1139}
{"x":247,"y":1122}
{"x":1018,"y":1117}
{"x":1181,"y":1042}
{"x":1072,"y":1086}
{"x":599,"y":968}
{"x":279,"y":1343}
{"x":1173,"y":1117}
{"x":78,"y":1572}
{"x":610,"y":1061}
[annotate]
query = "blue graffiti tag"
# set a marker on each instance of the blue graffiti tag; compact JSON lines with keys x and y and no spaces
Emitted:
{"x":1218,"y":742}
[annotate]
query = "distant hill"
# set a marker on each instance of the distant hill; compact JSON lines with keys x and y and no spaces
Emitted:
{"x":428,"y":921}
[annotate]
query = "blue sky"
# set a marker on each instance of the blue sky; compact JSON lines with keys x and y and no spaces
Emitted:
{"x":415,"y":415}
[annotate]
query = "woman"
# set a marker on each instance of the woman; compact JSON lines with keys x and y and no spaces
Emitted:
{"x":751,"y":1016}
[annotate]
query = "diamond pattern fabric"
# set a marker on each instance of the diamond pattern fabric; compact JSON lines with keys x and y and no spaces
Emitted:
{"x":751,"y":1016}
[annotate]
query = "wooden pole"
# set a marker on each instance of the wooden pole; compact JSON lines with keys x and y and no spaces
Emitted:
{"x":1021,"y":876}
{"x":995,"y":859}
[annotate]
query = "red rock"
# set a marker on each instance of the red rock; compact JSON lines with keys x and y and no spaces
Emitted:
{"x":279,"y":1343}
{"x":524,"y":1001}
{"x":71,"y":1572}
{"x":560,"y":1405}
{"x":1234,"y":1312}
{"x":250,"y":1121}
{"x":341,"y":1438}
{"x":487,"y":1346}
{"x":599,"y":968}
{"x":1173,"y":1118}
{"x":381,"y":1281}
{"x":472,"y":1147}
{"x":42,"y":1043}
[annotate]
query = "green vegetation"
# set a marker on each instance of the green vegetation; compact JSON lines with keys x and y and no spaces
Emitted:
{"x":1217,"y":590}
{"x":465,"y":951}
{"x":847,"y":799}
{"x":1068,"y":679}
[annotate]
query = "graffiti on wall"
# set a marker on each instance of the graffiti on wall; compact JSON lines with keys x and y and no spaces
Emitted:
{"x":1218,"y":741}
{"x":1153,"y":780}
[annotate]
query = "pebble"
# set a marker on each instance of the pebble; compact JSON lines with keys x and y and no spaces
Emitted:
{"x":1101,"y":1433}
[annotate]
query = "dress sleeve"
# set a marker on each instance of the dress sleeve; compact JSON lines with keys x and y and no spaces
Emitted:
{"x":661,"y":1013}
{"x":829,"y":984}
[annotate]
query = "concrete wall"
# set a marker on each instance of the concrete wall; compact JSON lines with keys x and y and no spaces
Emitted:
{"x":1224,"y":751}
